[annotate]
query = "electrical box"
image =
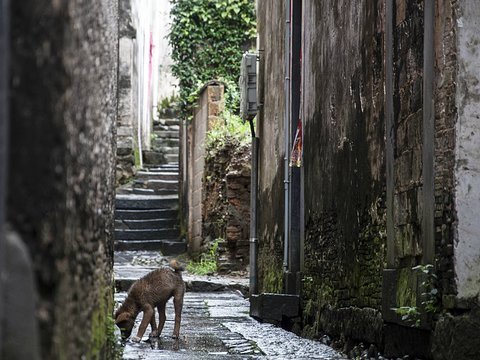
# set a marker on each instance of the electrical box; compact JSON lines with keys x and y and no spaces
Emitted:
{"x":248,"y":86}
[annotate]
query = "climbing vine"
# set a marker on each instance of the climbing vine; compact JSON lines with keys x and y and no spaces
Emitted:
{"x":208,"y":39}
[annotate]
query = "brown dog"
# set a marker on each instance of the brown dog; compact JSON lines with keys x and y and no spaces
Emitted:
{"x":150,"y":292}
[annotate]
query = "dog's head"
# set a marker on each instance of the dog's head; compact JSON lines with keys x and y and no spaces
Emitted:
{"x":125,"y":322}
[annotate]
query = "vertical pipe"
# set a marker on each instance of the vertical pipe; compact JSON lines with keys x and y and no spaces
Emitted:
{"x":389,"y":131}
{"x":428,"y":136}
{"x":286,"y":127}
{"x":295,"y":172}
{"x":253,"y":218}
{"x":4,"y":53}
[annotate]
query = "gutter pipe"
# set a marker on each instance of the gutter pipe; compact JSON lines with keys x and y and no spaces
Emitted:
{"x":253,"y":215}
{"x":286,"y":180}
{"x":4,"y":54}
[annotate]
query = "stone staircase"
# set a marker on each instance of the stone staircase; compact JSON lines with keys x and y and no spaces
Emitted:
{"x":147,"y":210}
{"x":165,"y":143}
{"x":146,"y":215}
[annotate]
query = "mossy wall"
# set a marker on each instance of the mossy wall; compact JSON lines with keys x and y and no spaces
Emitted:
{"x":62,"y":165}
{"x":345,"y":222}
{"x":348,"y":289}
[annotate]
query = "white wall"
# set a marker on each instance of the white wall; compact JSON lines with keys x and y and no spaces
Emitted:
{"x":151,"y":19}
{"x":467,"y":167}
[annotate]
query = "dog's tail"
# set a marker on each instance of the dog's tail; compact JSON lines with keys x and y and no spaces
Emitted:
{"x":176,"y":265}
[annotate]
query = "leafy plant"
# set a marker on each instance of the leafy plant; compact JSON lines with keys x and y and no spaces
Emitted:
{"x":429,"y":301}
{"x":428,"y":286}
{"x":207,"y":263}
{"x":409,"y":314}
{"x":231,"y":130}
{"x":208,"y":39}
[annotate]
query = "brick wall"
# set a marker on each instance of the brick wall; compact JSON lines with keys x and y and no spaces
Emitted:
{"x":226,"y":203}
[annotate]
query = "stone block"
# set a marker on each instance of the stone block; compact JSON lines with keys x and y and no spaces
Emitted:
{"x":273,"y":308}
{"x":153,"y":157}
{"x":457,"y":337}
{"x":401,"y":340}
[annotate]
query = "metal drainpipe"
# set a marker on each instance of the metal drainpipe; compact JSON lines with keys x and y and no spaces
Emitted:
{"x":253,"y":216}
{"x":286,"y":180}
{"x":4,"y":53}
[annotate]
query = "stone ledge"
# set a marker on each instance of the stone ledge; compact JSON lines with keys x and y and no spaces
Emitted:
{"x":274,"y":308}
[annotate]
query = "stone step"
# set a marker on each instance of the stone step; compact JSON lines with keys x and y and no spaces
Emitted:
{"x":165,"y":144}
{"x":163,"y":168}
{"x":171,"y":158}
{"x":146,"y":224}
{"x":146,"y":214}
{"x":164,"y":127}
{"x":161,"y":192}
{"x":169,"y":166}
{"x":167,"y":121}
{"x":147,"y":234}
{"x":138,"y":191}
{"x":155,"y":184}
{"x":153,"y":157}
{"x":143,"y":202}
{"x":172,"y":151}
{"x":167,"y":247}
{"x":156,"y":175}
{"x":163,"y":134}
{"x":124,"y":131}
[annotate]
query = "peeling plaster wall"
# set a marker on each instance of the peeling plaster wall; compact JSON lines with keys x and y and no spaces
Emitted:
{"x":467,"y":151}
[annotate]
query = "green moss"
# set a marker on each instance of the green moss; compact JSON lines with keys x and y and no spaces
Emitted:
{"x":137,"y":156}
{"x":406,"y":290}
{"x":103,"y":341}
{"x":316,"y":296}
{"x":272,"y":275}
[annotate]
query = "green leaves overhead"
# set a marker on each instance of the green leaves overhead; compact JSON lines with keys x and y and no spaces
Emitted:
{"x":208,"y":38}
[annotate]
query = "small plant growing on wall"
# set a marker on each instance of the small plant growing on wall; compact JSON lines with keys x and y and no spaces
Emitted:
{"x":429,"y":297}
{"x":207,"y":263}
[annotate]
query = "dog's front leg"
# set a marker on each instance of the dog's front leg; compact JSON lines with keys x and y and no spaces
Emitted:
{"x":147,"y":315}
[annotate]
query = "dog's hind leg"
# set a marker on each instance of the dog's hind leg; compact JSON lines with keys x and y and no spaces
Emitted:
{"x":178,"y":304}
{"x":147,"y":315}
{"x":161,"y":318}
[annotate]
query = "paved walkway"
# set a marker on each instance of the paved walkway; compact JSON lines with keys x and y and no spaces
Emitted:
{"x":215,"y":321}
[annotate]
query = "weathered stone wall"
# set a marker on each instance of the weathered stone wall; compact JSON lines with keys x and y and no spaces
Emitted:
{"x":209,"y":107}
{"x":457,"y":111}
{"x":408,"y":115}
{"x":62,"y":165}
{"x":226,"y":203}
{"x":467,"y":153}
{"x":344,"y":168}
{"x":127,"y":110}
{"x":345,"y":172}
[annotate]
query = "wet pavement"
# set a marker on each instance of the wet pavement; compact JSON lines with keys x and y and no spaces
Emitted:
{"x":215,"y":324}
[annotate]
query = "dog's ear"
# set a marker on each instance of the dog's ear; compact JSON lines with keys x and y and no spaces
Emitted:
{"x":124,"y":316}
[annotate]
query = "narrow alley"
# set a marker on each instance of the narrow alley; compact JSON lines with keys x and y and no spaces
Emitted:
{"x":215,"y":320}
{"x":271,"y":179}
